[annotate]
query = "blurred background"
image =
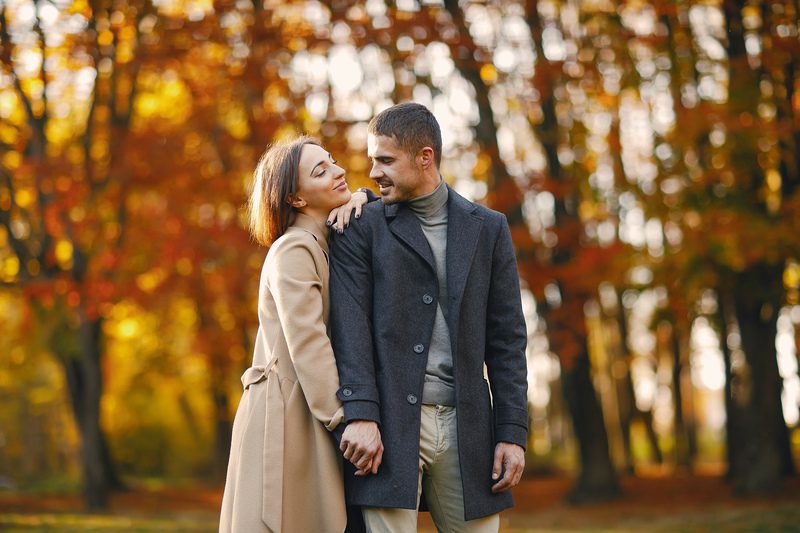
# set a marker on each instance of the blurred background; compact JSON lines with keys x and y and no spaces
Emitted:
{"x":646,"y":154}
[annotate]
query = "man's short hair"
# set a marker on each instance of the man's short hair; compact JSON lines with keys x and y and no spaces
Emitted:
{"x":412,"y":126}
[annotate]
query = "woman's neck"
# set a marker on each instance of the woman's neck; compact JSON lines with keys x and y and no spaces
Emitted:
{"x":318,"y":217}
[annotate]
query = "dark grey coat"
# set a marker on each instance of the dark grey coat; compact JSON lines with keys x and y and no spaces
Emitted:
{"x":383,"y":302}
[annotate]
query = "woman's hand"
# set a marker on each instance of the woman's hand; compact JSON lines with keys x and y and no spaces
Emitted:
{"x":339,"y":217}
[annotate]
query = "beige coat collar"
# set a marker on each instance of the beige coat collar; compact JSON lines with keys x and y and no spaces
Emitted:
{"x":307,"y":223}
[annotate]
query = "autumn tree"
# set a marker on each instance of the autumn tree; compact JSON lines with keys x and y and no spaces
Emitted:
{"x":72,"y":74}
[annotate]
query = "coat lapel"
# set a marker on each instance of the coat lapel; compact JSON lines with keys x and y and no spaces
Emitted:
{"x":405,"y":226}
{"x":463,"y":228}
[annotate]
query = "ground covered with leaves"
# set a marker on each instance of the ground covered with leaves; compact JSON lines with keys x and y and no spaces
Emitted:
{"x":673,"y":503}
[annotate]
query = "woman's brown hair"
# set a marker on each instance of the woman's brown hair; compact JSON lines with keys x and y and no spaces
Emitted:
{"x":275,"y":179}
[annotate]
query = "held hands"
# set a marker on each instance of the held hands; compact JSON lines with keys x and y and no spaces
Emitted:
{"x":339,"y":218}
{"x":509,"y":459}
{"x":361,"y":445}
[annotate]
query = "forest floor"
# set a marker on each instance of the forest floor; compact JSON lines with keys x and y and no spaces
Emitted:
{"x":653,"y":503}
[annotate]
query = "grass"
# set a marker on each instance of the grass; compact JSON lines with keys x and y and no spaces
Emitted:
{"x":69,"y":523}
{"x":784,"y":518}
{"x":670,"y":503}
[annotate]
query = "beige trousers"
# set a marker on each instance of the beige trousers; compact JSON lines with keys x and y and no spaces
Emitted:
{"x":438,"y":460}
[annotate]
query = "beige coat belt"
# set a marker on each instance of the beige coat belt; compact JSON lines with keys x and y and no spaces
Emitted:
{"x":271,"y":511}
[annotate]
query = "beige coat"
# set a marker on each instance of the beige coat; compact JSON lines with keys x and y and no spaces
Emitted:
{"x":285,"y":473}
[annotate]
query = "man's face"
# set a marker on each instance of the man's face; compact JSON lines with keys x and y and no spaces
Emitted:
{"x":396,"y":173}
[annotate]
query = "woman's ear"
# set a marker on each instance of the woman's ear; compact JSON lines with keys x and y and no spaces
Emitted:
{"x":297,"y":202}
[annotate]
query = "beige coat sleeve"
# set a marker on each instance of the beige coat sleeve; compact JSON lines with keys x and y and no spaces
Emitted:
{"x":297,"y":289}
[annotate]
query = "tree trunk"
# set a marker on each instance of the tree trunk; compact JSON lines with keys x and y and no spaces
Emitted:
{"x":504,"y":193}
{"x":222,"y":421}
{"x":222,"y":434}
{"x":626,"y":396}
{"x":733,"y":415}
{"x":631,"y":410}
{"x":685,"y":429}
{"x":95,"y":475}
{"x":764,"y":456}
{"x":790,"y":143}
{"x":76,"y":378}
{"x":626,"y":404}
{"x":597,"y":480}
{"x":681,"y":442}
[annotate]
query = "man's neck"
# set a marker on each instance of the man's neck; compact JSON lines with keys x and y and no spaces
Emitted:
{"x":431,"y":203}
{"x":430,"y":183}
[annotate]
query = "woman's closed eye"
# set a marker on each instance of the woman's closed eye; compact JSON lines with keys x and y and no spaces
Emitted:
{"x":325,"y":168}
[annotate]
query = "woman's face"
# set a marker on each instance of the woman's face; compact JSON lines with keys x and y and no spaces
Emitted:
{"x":321,"y":183}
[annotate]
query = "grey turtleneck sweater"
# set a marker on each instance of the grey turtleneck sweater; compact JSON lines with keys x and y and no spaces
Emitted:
{"x":431,"y":210}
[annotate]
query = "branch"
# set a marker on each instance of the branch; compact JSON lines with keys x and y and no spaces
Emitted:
{"x":5,"y":38}
{"x":89,"y":131}
{"x":505,"y":193}
{"x":146,"y":9}
{"x":124,"y":121}
{"x":42,"y":74}
{"x":122,"y":213}
{"x":17,"y":245}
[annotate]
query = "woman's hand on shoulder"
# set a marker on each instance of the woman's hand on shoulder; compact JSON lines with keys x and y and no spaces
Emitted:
{"x":339,"y":218}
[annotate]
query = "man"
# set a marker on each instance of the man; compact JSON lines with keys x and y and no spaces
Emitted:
{"x":424,"y":292}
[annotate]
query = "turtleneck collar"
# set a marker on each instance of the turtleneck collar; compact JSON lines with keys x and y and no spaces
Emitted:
{"x":431,"y":203}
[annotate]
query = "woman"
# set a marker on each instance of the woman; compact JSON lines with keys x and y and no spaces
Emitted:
{"x":284,"y":472}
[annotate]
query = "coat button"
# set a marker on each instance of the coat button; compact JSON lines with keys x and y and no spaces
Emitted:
{"x":428,"y":299}
{"x":419,"y":348}
{"x":411,"y":399}
{"x":347,"y":392}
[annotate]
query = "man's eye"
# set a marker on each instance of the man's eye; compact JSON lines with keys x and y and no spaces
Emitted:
{"x":334,"y":161}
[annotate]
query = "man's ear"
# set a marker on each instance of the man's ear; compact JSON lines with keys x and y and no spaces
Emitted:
{"x":425,"y":158}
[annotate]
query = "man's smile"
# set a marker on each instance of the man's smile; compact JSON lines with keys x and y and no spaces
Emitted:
{"x":384,"y":186}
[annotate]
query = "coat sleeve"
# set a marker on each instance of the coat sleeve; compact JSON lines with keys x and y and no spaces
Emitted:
{"x":296,"y":287}
{"x":506,"y":340}
{"x":351,"y":323}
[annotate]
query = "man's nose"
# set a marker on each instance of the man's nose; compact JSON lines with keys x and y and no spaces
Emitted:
{"x":374,"y":172}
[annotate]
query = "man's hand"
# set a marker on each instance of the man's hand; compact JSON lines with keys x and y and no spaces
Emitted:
{"x":361,"y":445}
{"x":512,"y":458}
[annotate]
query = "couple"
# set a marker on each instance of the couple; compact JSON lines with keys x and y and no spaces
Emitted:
{"x":424,"y":305}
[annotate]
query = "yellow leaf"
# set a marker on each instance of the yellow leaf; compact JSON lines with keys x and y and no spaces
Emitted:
{"x":64,"y":253}
{"x":773,"y":180}
{"x":149,"y":281}
{"x":10,"y":268}
{"x":488,"y":73}
{"x":791,"y":276}
{"x":12,"y":160}
{"x":105,"y":38}
{"x":23,"y":198}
